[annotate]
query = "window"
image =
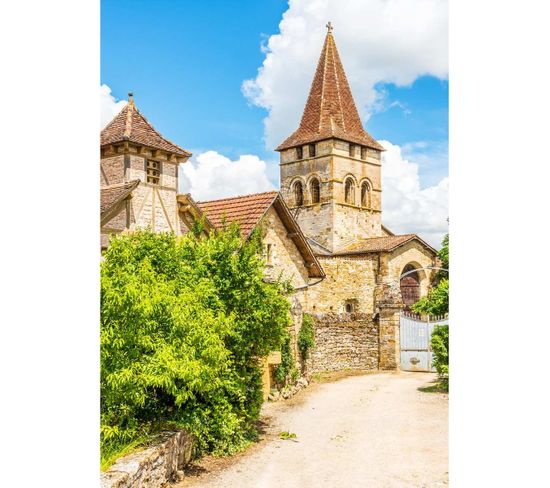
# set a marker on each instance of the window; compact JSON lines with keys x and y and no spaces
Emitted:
{"x":269,"y":254}
{"x":153,"y":172}
{"x":349,"y":191}
{"x":349,"y":306}
{"x":363,"y":152}
{"x":315,"y":191}
{"x":299,"y":152}
{"x":312,"y":150}
{"x":298,"y":194}
{"x":352,"y":150}
{"x":365,"y":194}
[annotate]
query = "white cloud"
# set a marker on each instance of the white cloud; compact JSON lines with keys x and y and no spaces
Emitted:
{"x":408,"y":208}
{"x":379,"y":41}
{"x":108,"y":105}
{"x":211,"y":175}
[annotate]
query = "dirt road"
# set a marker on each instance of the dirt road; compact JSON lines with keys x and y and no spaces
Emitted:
{"x":372,"y":430}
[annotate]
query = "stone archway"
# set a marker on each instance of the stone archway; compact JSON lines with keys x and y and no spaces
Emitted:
{"x":410,"y":286}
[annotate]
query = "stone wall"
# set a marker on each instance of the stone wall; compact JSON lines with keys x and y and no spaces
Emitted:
{"x":284,"y":260}
{"x":154,"y":467}
{"x":349,"y":278}
{"x":344,"y":341}
{"x":332,"y":222}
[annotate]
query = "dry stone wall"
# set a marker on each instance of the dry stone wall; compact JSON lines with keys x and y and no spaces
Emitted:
{"x":155,"y":467}
{"x":344,"y":341}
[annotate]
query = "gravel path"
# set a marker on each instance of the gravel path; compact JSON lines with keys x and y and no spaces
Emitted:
{"x":373,"y":430}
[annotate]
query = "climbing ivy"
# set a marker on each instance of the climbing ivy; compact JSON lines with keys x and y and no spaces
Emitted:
{"x":306,"y":336}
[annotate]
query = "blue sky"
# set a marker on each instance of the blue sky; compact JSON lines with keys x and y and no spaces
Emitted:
{"x":186,"y":62}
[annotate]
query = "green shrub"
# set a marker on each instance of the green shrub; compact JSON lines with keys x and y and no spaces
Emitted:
{"x":183,"y":323}
{"x":306,"y":336}
{"x":286,"y":370}
{"x":436,"y":302}
{"x":440,"y":347}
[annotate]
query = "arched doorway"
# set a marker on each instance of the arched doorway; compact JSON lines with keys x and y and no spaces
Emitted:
{"x":410,"y":286}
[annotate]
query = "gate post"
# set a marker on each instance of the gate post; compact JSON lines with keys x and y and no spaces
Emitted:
{"x":388,"y":307}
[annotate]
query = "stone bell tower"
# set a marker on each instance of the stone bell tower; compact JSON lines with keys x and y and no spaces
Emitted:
{"x":330,"y":166}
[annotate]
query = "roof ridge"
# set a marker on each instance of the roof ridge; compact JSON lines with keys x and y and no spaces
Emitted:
{"x":239,"y":196}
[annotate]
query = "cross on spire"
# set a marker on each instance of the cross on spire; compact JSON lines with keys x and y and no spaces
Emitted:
{"x":329,"y":27}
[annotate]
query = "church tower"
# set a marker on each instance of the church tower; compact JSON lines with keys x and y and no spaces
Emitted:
{"x":330,"y":166}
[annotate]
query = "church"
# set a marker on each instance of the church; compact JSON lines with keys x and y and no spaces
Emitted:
{"x":324,"y":230}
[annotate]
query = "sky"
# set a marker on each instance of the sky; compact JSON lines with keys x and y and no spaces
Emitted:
{"x":228,"y":81}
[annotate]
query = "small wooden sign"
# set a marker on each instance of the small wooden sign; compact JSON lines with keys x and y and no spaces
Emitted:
{"x":274,"y":357}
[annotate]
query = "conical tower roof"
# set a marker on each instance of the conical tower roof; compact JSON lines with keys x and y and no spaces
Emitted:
{"x":330,"y":110}
{"x":129,"y":125}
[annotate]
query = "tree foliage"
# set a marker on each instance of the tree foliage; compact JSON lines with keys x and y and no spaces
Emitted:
{"x":184,"y":323}
{"x":440,"y":347}
{"x":437,"y":300}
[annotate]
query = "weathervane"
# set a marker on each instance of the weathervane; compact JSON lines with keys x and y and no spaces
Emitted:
{"x":329,"y":26}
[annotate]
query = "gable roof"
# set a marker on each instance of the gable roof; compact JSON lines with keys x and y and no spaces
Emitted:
{"x":330,"y":110}
{"x":248,"y":211}
{"x":111,"y":195}
{"x":381,"y":244}
{"x":130,"y":125}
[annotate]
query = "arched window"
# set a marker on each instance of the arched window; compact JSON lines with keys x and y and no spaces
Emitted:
{"x":298,"y":194}
{"x":410,"y":286}
{"x":315,"y":191}
{"x":365,"y":194}
{"x":349,"y":191}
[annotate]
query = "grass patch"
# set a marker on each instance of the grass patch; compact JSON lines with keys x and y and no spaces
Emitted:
{"x":110,"y":457}
{"x":435,"y":387}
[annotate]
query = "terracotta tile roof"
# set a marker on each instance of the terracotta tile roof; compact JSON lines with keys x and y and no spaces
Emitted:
{"x":380,"y":244}
{"x":113,"y":194}
{"x":330,"y":110}
{"x":130,"y":125}
{"x":246,"y":210}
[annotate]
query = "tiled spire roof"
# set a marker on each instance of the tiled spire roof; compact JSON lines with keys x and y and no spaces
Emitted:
{"x":330,"y":110}
{"x":130,"y":125}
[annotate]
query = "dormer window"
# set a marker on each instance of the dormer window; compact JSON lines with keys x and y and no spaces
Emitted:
{"x":312,"y":150}
{"x":153,"y":172}
{"x":299,"y":152}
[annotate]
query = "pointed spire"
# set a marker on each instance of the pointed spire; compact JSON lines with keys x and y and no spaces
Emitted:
{"x":330,"y":110}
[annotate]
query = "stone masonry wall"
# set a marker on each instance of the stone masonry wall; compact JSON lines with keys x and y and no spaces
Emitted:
{"x":344,"y":341}
{"x":285,"y":259}
{"x":348,"y":278}
{"x":154,"y":467}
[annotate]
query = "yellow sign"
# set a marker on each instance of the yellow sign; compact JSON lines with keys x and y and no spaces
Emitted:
{"x":274,"y":357}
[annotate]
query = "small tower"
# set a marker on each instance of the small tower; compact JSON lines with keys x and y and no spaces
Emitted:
{"x":132,"y":149}
{"x":330,"y":166}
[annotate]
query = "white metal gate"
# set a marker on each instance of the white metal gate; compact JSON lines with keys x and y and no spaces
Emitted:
{"x":414,"y":337}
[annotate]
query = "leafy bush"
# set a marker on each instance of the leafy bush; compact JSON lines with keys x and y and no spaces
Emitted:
{"x":286,"y":370}
{"x":184,"y":322}
{"x":436,"y":302}
{"x":306,"y":336}
{"x":440,"y":348}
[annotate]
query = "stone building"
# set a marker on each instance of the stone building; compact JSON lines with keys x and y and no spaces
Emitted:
{"x":139,"y":163}
{"x":323,"y":231}
{"x":330,"y":172}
